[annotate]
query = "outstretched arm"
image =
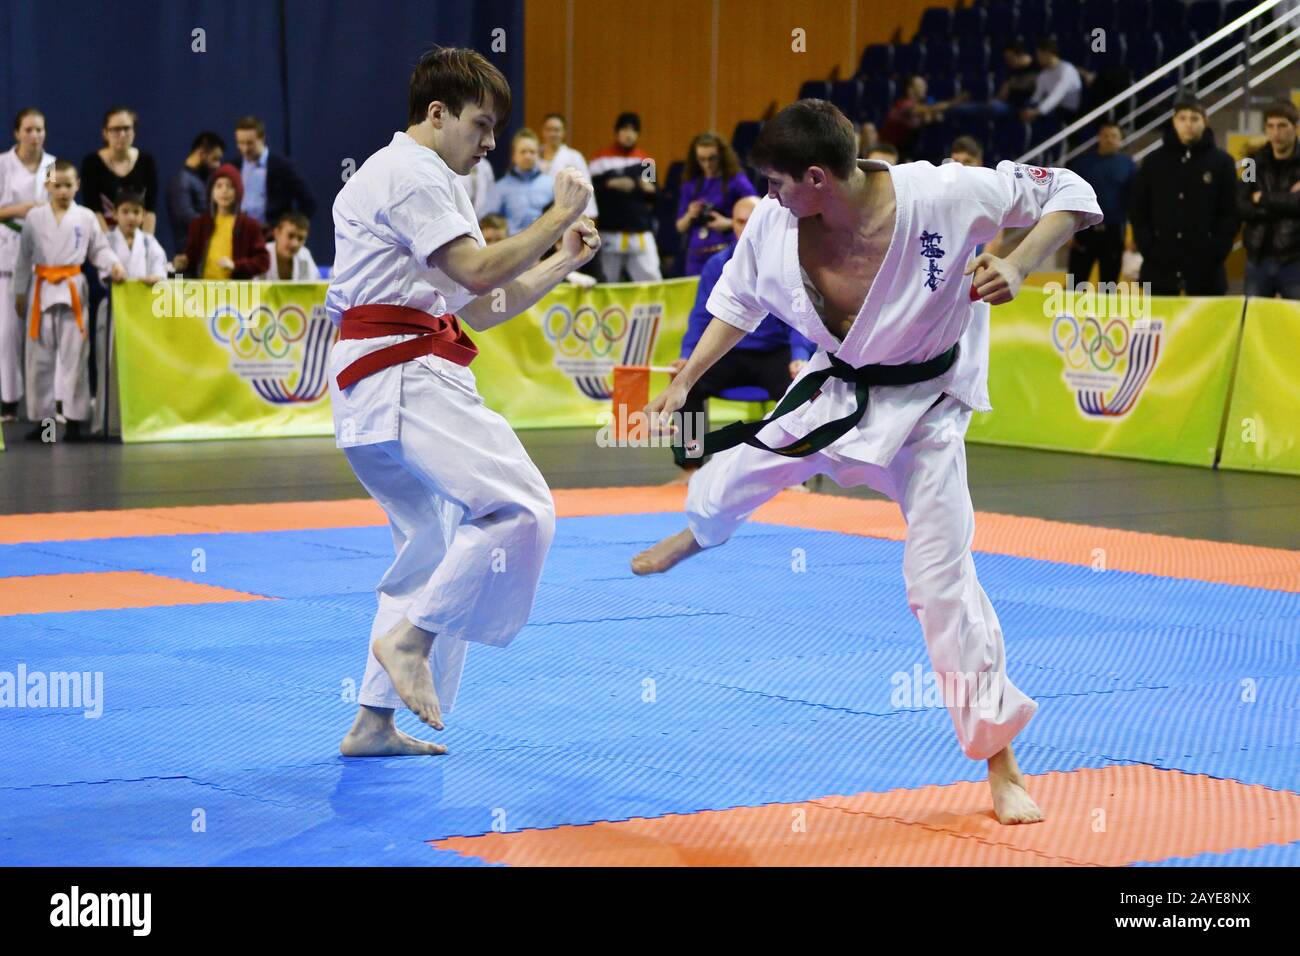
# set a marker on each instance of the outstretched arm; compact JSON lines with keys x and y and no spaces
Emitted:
{"x":999,"y":280}
{"x":718,"y":339}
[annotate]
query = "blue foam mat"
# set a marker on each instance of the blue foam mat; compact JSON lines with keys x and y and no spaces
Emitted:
{"x":760,"y":672}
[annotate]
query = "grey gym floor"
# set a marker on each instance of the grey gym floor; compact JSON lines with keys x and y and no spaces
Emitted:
{"x":1187,"y":502}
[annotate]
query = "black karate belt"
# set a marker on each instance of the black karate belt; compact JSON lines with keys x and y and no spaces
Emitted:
{"x":862,"y":378}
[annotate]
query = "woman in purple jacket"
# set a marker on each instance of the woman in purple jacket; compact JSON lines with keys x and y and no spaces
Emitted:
{"x":711,"y":184}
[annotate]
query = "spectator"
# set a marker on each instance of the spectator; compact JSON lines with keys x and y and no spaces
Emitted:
{"x":1058,"y":88}
{"x":1022,"y":79}
{"x":768,"y":357}
{"x":271,"y":182}
{"x":119,"y":164}
{"x":1110,"y":173}
{"x":291,"y":260}
{"x":885,"y":153}
{"x":868,"y":138}
{"x":224,"y":243}
{"x":23,"y":171}
{"x":1184,"y":208}
{"x":910,"y":112}
{"x":479,"y":183}
{"x":623,"y":177}
{"x":524,"y":192}
{"x":1270,"y":206}
{"x":711,"y":184}
{"x":187,"y":193}
{"x":555,"y":154}
{"x":967,"y":151}
{"x":493,"y":227}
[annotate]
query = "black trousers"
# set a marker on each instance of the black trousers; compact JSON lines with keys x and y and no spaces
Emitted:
{"x":1186,"y":278}
{"x":1105,"y":248}
{"x":768,"y":370}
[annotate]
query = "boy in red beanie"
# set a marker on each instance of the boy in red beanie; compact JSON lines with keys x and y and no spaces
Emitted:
{"x":224,"y":243}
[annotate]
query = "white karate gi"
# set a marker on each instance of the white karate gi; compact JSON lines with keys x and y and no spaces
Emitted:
{"x":472,"y":518}
{"x":144,"y":257}
{"x":57,"y":362}
{"x":910,"y":444}
{"x":304,"y":267}
{"x":17,"y":185}
{"x":478,"y":183}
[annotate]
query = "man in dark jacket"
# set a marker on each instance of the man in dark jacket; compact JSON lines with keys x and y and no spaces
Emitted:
{"x":271,"y":183}
{"x":1269,"y":201}
{"x":1184,"y":209}
{"x":187,"y":193}
{"x":622,"y":175}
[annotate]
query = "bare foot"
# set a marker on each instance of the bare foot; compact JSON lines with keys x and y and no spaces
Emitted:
{"x":404,"y":654}
{"x":666,"y":553}
{"x":374,"y":734}
{"x":1011,"y":800}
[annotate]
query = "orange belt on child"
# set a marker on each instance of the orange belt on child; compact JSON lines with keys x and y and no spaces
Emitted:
{"x":439,"y":335}
{"x":54,"y":275}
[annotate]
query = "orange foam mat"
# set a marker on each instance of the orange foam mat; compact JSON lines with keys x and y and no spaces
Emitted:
{"x":106,"y":590}
{"x":1098,"y":817}
{"x":1115,"y":549}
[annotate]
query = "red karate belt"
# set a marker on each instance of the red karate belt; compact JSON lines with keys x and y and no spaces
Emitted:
{"x":439,"y":335}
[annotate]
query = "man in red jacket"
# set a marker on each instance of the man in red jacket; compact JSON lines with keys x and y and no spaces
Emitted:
{"x":223,"y":243}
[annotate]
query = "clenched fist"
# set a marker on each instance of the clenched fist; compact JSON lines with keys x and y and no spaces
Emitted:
{"x":572,"y":192}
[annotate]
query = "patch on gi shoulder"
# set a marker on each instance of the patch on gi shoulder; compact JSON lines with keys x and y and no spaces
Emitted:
{"x":1037,"y":174}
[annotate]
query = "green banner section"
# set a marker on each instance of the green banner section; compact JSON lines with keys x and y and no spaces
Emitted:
{"x":1262,"y":430}
{"x":208,"y":360}
{"x":1131,"y":376}
{"x":204,"y":360}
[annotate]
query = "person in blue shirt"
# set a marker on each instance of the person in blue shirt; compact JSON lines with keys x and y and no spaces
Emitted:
{"x":523,"y":193}
{"x":1110,"y":173}
{"x":769,"y":357}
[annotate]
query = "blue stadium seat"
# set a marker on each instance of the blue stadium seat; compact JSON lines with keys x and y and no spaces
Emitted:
{"x":744,"y":393}
{"x":936,"y":23}
{"x":878,"y":95}
{"x":933,"y":142}
{"x":969,"y":21}
{"x":979,"y":86}
{"x":847,"y":96}
{"x":1134,"y":18}
{"x":943,"y":86}
{"x":743,"y":136}
{"x":1002,"y":19}
{"x":940,"y":56}
{"x":1144,"y":54}
{"x":1033,"y":21}
{"x":973,"y":54}
{"x":877,"y":60}
{"x":1176,"y":42}
{"x":1011,"y":136}
{"x":908,"y":59}
{"x":1065,"y":18}
{"x":1236,"y":8}
{"x":1169,"y":16}
{"x":1205,"y":16}
{"x":1076,"y":48}
{"x":815,"y":89}
{"x":1101,"y":15}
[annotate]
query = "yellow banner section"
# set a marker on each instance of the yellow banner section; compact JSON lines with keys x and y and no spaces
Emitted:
{"x":1262,"y":430}
{"x":202,"y":360}
{"x":206,"y":360}
{"x":1121,"y":374}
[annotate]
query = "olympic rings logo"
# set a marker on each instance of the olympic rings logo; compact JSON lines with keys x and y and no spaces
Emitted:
{"x":1084,"y":341}
{"x":586,"y":331}
{"x":273,"y":333}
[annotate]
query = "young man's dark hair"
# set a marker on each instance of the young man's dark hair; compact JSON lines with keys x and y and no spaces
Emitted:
{"x":1283,"y":110}
{"x":208,"y":140}
{"x":295,"y":219}
{"x":128,"y":194}
{"x":627,"y":118}
{"x":1046,"y":45}
{"x":806,"y":133}
{"x":63,"y":166}
{"x":1188,"y":102}
{"x":457,"y":77}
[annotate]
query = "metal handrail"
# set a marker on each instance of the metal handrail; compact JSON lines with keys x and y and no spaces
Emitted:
{"x":1189,"y":54}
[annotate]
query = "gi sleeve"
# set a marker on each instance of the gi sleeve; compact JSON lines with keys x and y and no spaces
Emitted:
{"x":22,"y":279}
{"x":155,"y":257}
{"x":99,"y":252}
{"x":1016,"y":196}
{"x":424,"y":218}
{"x":734,"y":299}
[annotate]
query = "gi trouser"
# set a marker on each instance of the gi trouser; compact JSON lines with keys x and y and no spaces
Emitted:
{"x":927,"y":478}
{"x":472,"y":520}
{"x":58,"y":367}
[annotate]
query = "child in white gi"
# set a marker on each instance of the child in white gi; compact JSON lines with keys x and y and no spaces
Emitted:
{"x":868,"y":261}
{"x":23,"y":171}
{"x":291,"y":260}
{"x":143,"y":258}
{"x":57,"y":238}
{"x":471,"y":517}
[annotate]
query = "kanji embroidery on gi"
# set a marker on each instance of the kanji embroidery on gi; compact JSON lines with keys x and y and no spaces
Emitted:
{"x":930,"y":249}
